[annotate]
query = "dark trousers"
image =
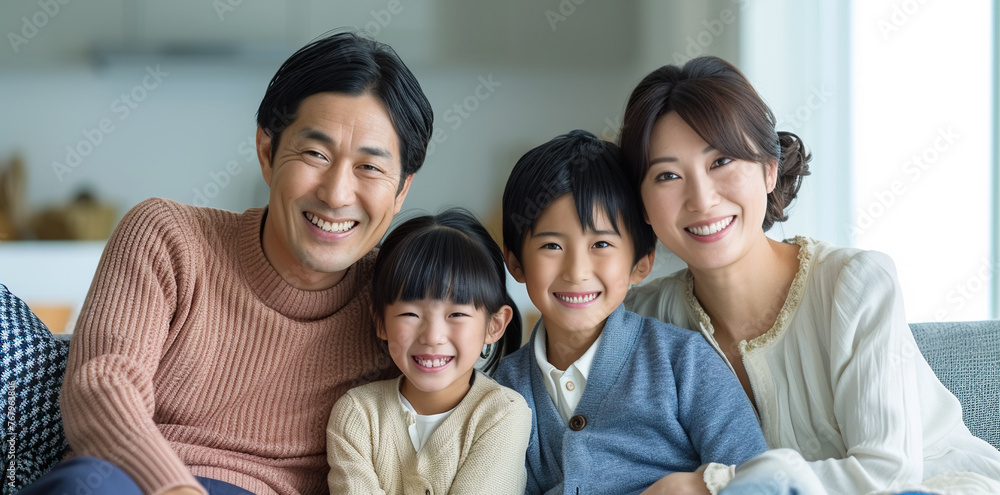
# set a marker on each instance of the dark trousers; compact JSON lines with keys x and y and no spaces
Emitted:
{"x":92,"y":476}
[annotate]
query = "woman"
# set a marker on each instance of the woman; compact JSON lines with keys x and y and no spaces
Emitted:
{"x":816,"y":334}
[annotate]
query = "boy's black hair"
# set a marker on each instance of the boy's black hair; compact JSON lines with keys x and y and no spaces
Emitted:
{"x":589,"y":169}
{"x":351,"y":64}
{"x":448,"y":256}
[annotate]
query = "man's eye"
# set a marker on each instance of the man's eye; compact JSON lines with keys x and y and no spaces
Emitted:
{"x":370,"y":168}
{"x":316,"y":154}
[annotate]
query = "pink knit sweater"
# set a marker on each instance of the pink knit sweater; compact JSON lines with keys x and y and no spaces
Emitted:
{"x":192,"y":356}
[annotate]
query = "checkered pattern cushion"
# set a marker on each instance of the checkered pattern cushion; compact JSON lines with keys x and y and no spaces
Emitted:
{"x":33,"y":366}
{"x":965,"y":356}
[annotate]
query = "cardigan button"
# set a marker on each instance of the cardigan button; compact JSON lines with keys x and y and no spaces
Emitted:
{"x":577,"y":423}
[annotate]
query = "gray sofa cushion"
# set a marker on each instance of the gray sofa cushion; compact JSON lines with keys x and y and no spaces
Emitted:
{"x":965,"y":356}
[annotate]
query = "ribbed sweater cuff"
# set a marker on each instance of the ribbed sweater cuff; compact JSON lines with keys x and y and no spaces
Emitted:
{"x":105,"y":418}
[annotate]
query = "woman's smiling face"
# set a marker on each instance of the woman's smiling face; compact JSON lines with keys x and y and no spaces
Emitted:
{"x":706,"y":207}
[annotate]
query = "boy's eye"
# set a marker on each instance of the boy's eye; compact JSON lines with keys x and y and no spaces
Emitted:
{"x":551,"y":245}
{"x":602,"y":244}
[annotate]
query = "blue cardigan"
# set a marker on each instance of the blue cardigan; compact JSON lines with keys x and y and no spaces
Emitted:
{"x":658,"y":399}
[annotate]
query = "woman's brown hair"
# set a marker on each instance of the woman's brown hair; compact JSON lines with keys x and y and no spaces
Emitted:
{"x":718,"y":102}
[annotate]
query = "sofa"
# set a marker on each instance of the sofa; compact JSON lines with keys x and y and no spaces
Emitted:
{"x":964,"y":355}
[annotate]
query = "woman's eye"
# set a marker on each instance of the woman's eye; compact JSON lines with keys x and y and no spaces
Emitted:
{"x":665,"y":176}
{"x":721,"y":161}
{"x":602,"y":244}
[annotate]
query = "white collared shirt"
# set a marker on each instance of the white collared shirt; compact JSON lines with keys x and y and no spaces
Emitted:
{"x":565,"y":387}
{"x":422,"y":425}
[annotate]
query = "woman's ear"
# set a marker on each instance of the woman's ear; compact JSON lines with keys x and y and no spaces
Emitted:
{"x":513,"y":266}
{"x":771,"y":175}
{"x":498,"y":323}
{"x":643,"y":268}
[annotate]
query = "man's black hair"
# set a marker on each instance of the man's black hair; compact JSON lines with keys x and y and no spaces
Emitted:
{"x":351,"y":64}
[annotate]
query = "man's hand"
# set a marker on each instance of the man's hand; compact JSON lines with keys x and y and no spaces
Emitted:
{"x":679,"y":484}
{"x":183,"y":491}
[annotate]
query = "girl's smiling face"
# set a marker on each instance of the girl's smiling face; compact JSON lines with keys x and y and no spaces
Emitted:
{"x":436,"y":344}
{"x":707,"y":208}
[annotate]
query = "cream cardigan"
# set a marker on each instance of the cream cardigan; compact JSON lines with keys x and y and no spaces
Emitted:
{"x":839,"y":378}
{"x":478,"y":449}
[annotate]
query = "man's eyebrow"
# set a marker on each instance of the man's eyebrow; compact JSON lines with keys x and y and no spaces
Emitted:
{"x":318,"y":135}
{"x":379,"y":152}
{"x":315,"y":135}
{"x":669,"y":159}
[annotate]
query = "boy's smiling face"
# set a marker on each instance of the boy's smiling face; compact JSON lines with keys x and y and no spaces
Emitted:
{"x":576,"y":278}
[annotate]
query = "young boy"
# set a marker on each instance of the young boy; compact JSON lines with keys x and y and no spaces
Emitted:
{"x":618,"y":401}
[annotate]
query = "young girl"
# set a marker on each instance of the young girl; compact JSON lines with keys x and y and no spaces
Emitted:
{"x":438,"y":297}
{"x":816,"y":334}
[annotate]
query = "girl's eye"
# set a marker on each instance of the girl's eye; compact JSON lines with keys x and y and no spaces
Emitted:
{"x":665,"y":176}
{"x":412,"y":315}
{"x":457,"y":315}
{"x":725,"y":160}
{"x":602,"y":244}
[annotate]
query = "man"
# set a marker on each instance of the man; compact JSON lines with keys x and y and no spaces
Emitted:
{"x":212,"y":345}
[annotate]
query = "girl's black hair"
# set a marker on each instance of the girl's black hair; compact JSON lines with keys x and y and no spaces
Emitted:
{"x":449,"y":256}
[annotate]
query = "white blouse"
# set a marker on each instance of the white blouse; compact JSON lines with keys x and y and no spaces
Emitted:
{"x":839,"y":377}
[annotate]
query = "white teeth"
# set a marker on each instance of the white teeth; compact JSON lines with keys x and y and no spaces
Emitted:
{"x":330,"y":227}
{"x":579,"y":299}
{"x":433,"y":363}
{"x":711,"y":229}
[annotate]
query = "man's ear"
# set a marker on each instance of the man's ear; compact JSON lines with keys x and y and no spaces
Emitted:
{"x":401,"y":195}
{"x":498,"y":324}
{"x":264,"y":142}
{"x":513,"y":266}
{"x":642,"y":269}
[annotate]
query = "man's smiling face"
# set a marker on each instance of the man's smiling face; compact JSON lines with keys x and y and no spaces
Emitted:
{"x":335,"y":186}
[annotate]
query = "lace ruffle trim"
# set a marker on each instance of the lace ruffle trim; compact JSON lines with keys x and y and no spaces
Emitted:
{"x":792,"y":301}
